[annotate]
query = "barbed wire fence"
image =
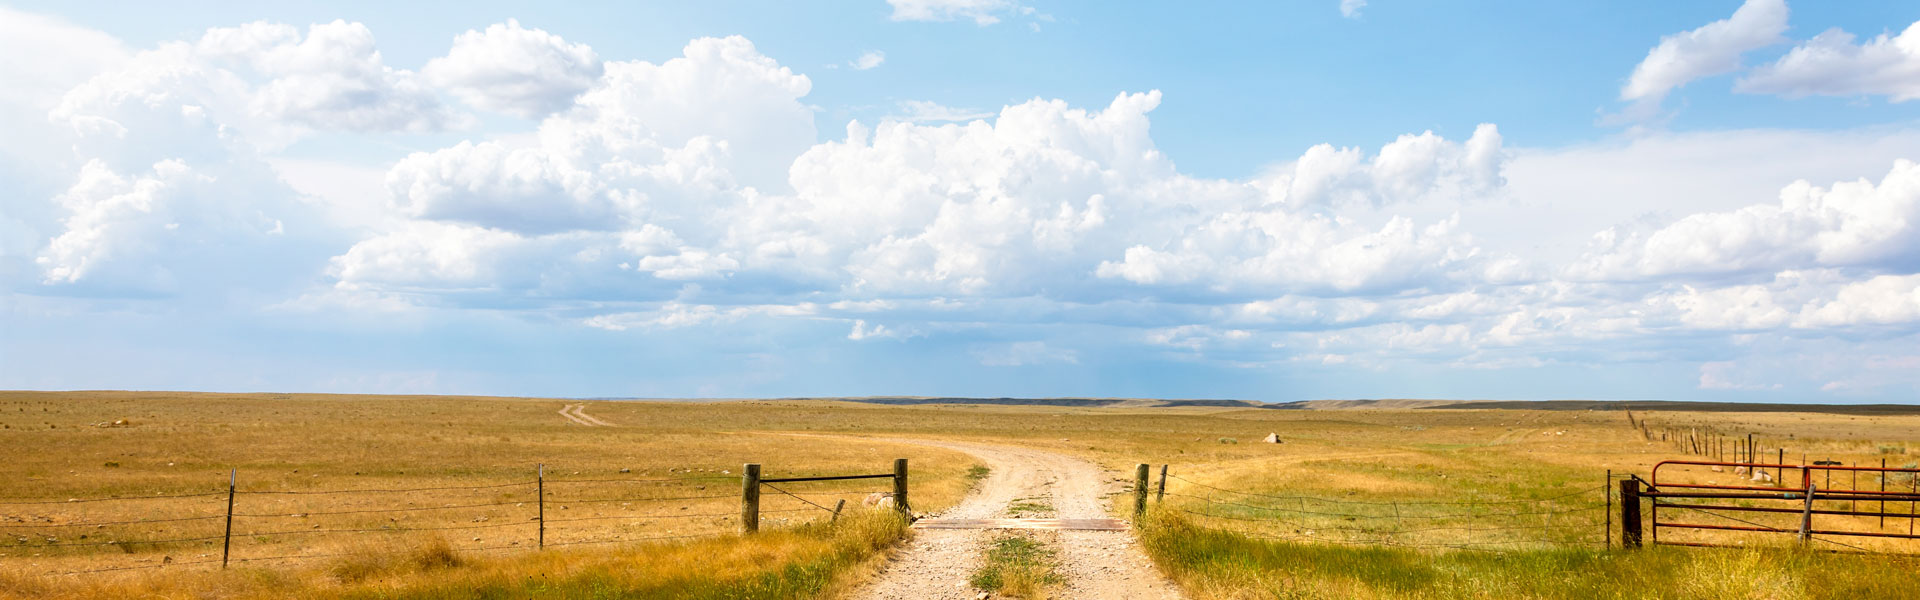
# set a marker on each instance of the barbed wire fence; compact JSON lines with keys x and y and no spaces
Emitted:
{"x":1578,"y":517}
{"x":256,"y":526}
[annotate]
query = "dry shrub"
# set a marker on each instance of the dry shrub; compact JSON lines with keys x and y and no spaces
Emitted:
{"x":372,"y":562}
{"x":436,"y":553}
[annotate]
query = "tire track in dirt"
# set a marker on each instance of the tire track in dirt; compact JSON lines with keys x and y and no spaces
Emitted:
{"x":577,"y":413}
{"x":1098,"y":565}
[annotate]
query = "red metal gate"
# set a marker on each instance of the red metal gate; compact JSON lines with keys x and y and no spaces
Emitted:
{"x":1806,"y":501}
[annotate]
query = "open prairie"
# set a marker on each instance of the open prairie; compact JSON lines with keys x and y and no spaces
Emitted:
{"x":385,"y":496}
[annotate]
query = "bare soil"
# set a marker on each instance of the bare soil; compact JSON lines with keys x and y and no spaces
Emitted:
{"x":1098,"y":565}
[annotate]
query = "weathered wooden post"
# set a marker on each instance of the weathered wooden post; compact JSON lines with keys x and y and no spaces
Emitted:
{"x":540,"y":499}
{"x":1161,"y":497}
{"x":837,"y":507}
{"x":750,"y":498}
{"x":900,"y":488}
{"x":1139,"y":489}
{"x":1630,"y":513}
{"x":226,"y":543}
{"x":1806,"y":515}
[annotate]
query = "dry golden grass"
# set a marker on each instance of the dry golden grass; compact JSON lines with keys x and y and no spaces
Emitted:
{"x":179,"y":443}
{"x":670,"y":459}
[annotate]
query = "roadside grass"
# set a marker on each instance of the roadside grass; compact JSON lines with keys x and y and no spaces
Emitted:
{"x":1218,"y":565}
{"x":1017,"y":566}
{"x":815,"y":560}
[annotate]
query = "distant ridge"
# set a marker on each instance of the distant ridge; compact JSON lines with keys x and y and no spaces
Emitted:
{"x":1361,"y":404}
{"x":1074,"y":402}
{"x":1676,"y":406}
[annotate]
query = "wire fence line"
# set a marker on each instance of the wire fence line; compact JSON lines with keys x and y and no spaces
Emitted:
{"x":506,"y":516}
{"x":1566,"y":518}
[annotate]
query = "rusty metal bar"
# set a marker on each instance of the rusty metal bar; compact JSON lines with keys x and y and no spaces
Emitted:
{"x":1730,"y":495}
{"x":827,"y":478}
{"x":1794,"y":511}
{"x":1901,"y":536}
{"x":1835,"y":496}
{"x":1657,"y":525}
{"x":1714,"y":463}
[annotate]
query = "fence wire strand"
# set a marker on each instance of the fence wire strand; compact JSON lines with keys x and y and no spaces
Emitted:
{"x":1497,"y":530}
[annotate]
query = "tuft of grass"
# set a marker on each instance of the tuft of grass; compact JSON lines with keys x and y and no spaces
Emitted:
{"x":978,"y":472}
{"x":1029,"y":505}
{"x":1017,"y":567}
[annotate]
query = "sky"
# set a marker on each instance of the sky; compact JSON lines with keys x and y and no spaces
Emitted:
{"x":1272,"y":201}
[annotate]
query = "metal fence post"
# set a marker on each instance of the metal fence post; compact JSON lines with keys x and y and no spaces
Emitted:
{"x":900,"y":488}
{"x":226,"y":543}
{"x":1630,"y":513}
{"x":750,"y":498}
{"x":540,"y":494}
{"x":1606,"y":489}
{"x":1139,"y":489}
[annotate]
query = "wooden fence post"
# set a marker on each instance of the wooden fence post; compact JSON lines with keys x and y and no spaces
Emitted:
{"x":1606,"y":489}
{"x":540,"y":500}
{"x":837,"y":507}
{"x":750,"y":498}
{"x":226,"y":544}
{"x":1139,"y":489}
{"x":1806,"y":515}
{"x":1630,"y":513}
{"x":1161,"y":497}
{"x":900,"y":488}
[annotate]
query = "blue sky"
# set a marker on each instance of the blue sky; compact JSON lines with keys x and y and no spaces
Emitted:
{"x":1705,"y":200}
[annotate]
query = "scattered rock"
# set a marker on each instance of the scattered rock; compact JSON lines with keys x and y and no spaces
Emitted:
{"x":1273,"y":438}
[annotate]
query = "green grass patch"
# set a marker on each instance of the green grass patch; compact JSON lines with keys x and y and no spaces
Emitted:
{"x":978,"y":472}
{"x":1017,"y":567}
{"x":1217,"y":564}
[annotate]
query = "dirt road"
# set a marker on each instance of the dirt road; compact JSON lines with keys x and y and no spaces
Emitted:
{"x":1097,"y":565}
{"x":577,"y":413}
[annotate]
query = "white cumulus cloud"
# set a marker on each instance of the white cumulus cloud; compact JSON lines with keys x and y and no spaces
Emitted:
{"x":1852,"y":223}
{"x":512,"y":69}
{"x":1712,"y":49}
{"x":1831,"y":64}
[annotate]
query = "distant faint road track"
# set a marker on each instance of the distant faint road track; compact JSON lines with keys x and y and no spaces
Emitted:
{"x":578,"y":414}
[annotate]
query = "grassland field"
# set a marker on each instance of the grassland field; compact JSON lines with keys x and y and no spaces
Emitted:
{"x":683,"y":458}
